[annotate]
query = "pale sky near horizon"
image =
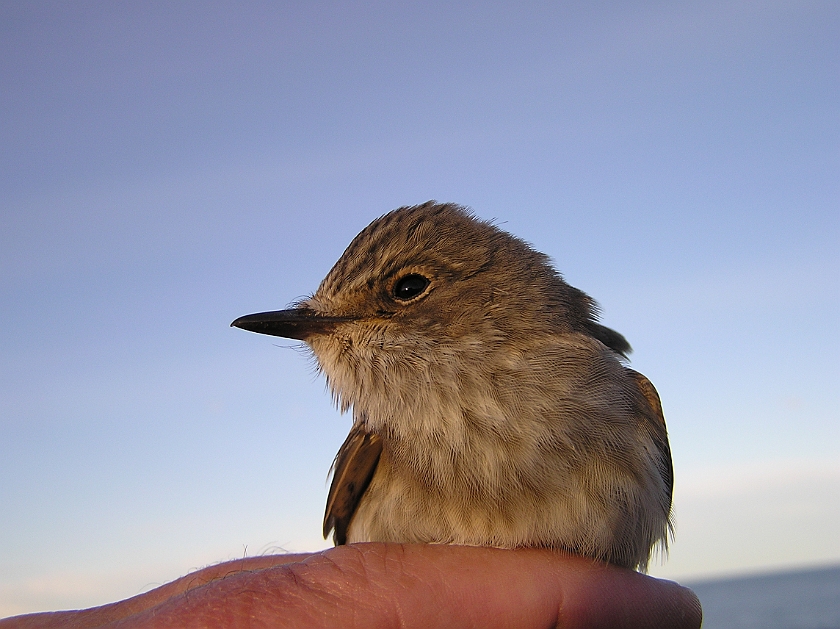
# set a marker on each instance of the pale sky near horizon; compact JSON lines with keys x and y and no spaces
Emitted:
{"x":167,"y":167}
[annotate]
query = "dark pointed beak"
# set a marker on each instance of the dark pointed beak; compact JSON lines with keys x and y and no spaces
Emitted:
{"x":297,"y":323}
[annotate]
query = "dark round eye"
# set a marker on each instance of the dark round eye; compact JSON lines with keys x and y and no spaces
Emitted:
{"x":410,"y":286}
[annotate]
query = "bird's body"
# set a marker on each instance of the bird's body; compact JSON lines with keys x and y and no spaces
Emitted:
{"x":489,"y":406}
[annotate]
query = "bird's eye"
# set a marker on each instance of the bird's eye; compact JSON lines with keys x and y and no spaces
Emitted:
{"x":410,"y":286}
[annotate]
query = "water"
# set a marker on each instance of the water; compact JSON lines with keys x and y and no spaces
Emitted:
{"x":808,"y":599}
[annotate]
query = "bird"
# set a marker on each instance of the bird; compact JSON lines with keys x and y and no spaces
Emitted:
{"x":490,"y":408}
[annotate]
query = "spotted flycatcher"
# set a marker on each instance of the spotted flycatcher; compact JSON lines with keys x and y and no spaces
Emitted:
{"x":489,"y":406}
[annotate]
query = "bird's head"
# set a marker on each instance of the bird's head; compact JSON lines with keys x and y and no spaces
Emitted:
{"x":422,"y":295}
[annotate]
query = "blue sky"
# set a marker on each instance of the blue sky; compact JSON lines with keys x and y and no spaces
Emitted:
{"x":168,"y":167}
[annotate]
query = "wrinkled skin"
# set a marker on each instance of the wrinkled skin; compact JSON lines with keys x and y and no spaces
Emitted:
{"x":394,"y":585}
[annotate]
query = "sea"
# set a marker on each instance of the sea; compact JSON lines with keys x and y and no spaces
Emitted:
{"x":802,"y":599}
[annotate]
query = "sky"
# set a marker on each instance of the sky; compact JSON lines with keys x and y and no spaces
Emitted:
{"x":168,"y":167}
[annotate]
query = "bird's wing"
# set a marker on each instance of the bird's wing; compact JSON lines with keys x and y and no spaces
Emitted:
{"x":610,"y":338}
{"x":353,"y":468}
{"x":656,"y":423}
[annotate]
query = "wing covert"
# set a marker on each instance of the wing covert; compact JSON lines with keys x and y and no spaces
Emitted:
{"x":353,"y":469}
{"x":656,"y":422}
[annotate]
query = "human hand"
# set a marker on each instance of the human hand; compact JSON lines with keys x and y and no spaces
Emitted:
{"x":396,"y":585}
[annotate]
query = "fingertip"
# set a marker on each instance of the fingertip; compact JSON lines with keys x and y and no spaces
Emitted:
{"x":675,"y":605}
{"x":691,"y":608}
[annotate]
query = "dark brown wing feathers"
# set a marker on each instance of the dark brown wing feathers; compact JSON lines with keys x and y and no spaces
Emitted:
{"x":354,"y":466}
{"x":656,"y":421}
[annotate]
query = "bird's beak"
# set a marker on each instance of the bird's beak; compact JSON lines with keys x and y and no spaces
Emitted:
{"x":297,"y":323}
